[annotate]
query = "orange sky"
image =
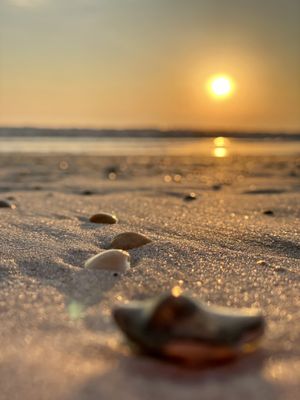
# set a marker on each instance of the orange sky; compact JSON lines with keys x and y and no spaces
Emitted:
{"x":132,"y":63}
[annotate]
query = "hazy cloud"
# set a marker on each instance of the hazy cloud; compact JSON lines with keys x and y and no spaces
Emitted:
{"x":27,"y":3}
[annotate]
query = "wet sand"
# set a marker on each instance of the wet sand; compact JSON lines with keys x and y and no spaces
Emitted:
{"x":58,"y":340}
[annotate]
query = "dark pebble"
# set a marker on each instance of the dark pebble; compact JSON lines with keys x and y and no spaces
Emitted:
{"x":268,"y":212}
{"x":112,"y":169}
{"x":216,"y":187}
{"x":278,"y":268}
{"x":87,"y":193}
{"x":103,"y":218}
{"x":190,"y":197}
{"x":6,"y":204}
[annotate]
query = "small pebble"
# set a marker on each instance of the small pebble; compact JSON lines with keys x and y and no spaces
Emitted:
{"x":278,"y":268}
{"x":112,"y":168}
{"x":268,"y":212}
{"x":112,"y":172}
{"x":177,"y":178}
{"x":216,"y":187}
{"x":261,"y":262}
{"x":167,"y":178}
{"x":63,"y":165}
{"x":109,"y":260}
{"x":103,"y":218}
{"x":112,"y":176}
{"x":129,"y":240}
{"x":190,"y":197}
{"x":6,"y":204}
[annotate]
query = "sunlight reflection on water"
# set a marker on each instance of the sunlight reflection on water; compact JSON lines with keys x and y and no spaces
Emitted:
{"x":220,"y":152}
{"x":221,"y":147}
{"x":218,"y":147}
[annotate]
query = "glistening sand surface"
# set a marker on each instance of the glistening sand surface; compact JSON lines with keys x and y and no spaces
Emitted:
{"x":57,"y":337}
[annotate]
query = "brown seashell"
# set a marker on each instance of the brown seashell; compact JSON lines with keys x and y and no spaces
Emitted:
{"x":178,"y":328}
{"x":129,"y":240}
{"x":109,"y":260}
{"x":103,"y":218}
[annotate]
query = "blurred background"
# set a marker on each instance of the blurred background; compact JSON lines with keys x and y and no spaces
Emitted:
{"x":165,"y":64}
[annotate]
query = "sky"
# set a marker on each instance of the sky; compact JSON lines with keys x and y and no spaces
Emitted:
{"x":146,"y":63}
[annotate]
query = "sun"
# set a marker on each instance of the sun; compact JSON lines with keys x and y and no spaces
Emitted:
{"x":221,"y":86}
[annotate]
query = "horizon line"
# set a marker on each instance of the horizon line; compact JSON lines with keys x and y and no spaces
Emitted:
{"x":135,"y":129}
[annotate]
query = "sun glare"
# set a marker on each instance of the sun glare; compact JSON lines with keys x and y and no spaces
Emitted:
{"x":220,"y":149}
{"x":221,"y":86}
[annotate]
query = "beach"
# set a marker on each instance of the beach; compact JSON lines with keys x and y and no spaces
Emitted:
{"x":58,"y":340}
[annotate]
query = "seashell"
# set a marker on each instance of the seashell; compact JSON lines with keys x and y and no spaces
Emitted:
{"x":176,"y":327}
{"x":103,"y":218}
{"x":109,"y":260}
{"x":129,"y":240}
{"x":6,"y":204}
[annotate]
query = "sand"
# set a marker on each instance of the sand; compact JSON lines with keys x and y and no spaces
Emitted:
{"x":58,"y":340}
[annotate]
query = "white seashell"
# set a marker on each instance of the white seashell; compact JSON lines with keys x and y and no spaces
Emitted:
{"x":109,"y":260}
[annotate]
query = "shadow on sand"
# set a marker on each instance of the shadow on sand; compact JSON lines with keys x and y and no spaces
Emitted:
{"x":146,"y":378}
